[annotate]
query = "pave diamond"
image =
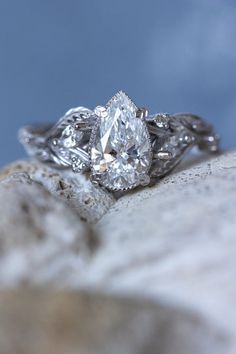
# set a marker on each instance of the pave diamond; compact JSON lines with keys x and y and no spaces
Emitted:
{"x":120,"y":145}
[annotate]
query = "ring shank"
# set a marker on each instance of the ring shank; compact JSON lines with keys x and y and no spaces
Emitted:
{"x":174,"y":135}
{"x":171,"y":135}
{"x":206,"y":138}
{"x":35,"y":142}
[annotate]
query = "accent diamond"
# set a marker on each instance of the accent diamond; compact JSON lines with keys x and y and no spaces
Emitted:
{"x":120,"y":145}
{"x":70,"y":137}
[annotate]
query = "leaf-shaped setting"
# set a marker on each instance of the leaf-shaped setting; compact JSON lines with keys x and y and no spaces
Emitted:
{"x":69,"y":138}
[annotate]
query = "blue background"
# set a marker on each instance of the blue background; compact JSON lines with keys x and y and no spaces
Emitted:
{"x":168,"y":55}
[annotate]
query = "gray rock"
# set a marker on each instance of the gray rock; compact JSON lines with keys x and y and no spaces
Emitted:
{"x":171,"y":245}
{"x":175,"y":241}
{"x":89,"y":202}
{"x":41,"y":239}
{"x":45,"y":322}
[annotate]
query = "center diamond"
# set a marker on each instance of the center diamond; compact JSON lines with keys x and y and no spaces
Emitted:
{"x":120,"y":145}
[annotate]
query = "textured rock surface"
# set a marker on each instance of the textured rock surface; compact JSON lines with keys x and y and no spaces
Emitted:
{"x":89,"y":202}
{"x":72,"y":323}
{"x":172,"y":244}
{"x":40,"y":237}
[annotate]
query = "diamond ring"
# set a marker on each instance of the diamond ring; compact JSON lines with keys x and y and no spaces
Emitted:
{"x":121,"y":145}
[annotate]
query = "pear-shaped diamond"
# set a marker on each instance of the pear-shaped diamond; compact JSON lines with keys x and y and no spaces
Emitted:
{"x":120,"y":145}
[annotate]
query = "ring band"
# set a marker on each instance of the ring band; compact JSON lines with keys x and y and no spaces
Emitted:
{"x":120,"y":144}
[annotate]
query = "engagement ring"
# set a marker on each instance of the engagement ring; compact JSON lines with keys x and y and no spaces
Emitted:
{"x":121,"y":145}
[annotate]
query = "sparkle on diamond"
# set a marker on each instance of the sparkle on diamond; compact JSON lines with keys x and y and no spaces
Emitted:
{"x":121,"y":150}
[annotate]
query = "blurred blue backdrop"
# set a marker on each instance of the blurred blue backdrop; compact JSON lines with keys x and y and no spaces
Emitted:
{"x":168,"y":55}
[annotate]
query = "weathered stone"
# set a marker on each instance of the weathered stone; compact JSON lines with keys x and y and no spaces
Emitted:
{"x":45,"y":322}
{"x":175,"y":240}
{"x":88,"y":201}
{"x":172,"y":245}
{"x":41,"y":239}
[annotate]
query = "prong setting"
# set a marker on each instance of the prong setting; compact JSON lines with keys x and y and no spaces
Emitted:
{"x":95,"y":178}
{"x":100,"y":111}
{"x":54,"y":142}
{"x":142,"y":113}
{"x":163,"y":155}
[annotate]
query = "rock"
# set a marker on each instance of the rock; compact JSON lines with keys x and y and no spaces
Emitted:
{"x":164,"y":259}
{"x":42,"y":322}
{"x":41,"y":239}
{"x":175,"y":241}
{"x":90,"y":202}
